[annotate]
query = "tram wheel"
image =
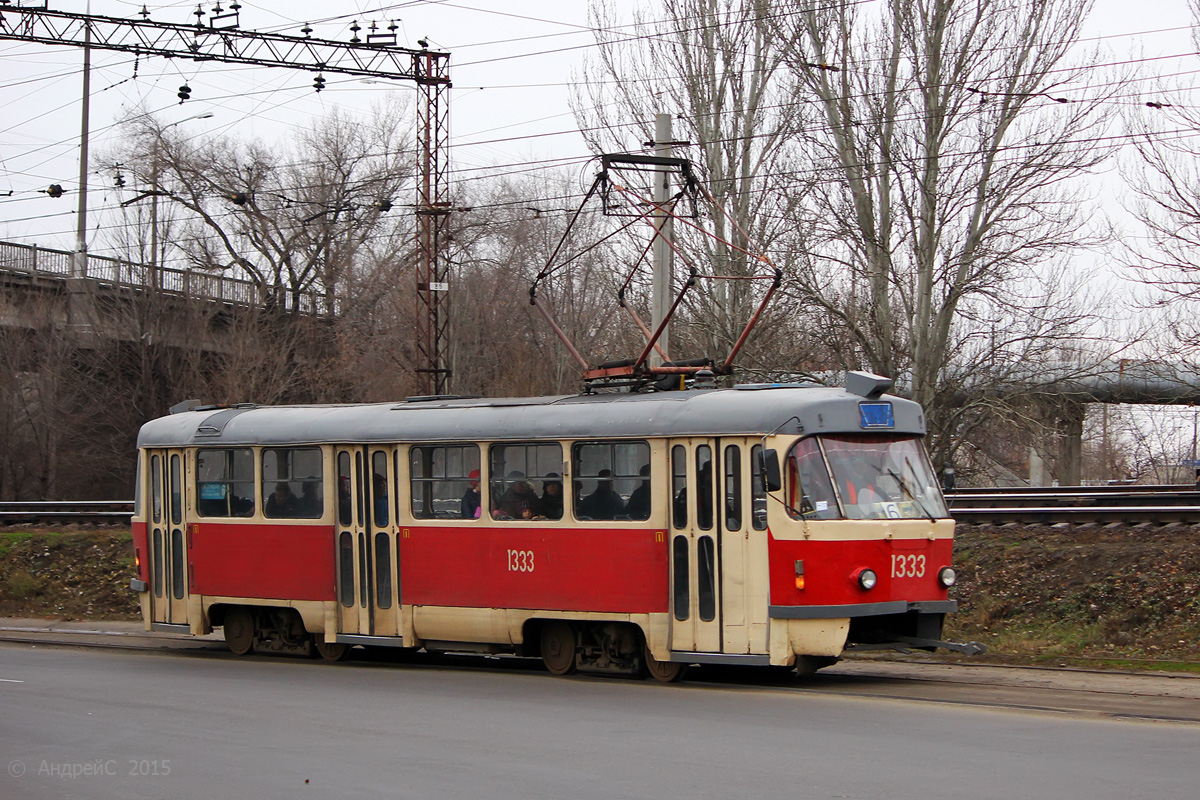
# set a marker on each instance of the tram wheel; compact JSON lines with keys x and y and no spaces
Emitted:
{"x":664,"y":671}
{"x":558,"y":647}
{"x":330,"y":651}
{"x":239,"y":630}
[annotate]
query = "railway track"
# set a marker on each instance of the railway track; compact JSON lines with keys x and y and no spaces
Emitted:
{"x":45,"y":512}
{"x":984,"y":506}
{"x":1076,"y":504}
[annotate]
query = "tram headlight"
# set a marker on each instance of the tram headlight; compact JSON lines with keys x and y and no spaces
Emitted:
{"x":947,"y":576}
{"x":867,"y":579}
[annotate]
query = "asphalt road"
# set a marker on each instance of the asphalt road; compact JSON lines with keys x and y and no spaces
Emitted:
{"x":101,"y":723}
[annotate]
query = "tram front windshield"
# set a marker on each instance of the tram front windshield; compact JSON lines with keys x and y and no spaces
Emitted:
{"x":861,"y":476}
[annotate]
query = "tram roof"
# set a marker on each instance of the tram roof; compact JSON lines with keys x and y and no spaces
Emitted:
{"x":745,"y":410}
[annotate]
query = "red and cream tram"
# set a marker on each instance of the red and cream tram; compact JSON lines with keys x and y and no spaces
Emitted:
{"x":759,"y":525}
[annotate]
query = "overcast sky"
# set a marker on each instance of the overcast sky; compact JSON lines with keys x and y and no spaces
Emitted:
{"x":511,"y":62}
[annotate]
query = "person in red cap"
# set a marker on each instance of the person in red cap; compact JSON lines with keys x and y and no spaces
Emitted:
{"x":471,"y":500}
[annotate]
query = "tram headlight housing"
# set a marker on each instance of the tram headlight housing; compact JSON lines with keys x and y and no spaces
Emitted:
{"x":947,"y":577}
{"x":866,"y":579}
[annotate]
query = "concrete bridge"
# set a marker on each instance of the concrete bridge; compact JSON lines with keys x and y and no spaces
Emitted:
{"x":106,"y":297}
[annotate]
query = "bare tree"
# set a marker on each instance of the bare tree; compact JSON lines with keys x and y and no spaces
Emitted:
{"x":1165,"y":180}
{"x":951,"y":141}
{"x":291,"y":219}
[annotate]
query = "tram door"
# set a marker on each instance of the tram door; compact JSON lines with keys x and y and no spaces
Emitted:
{"x":168,"y":538}
{"x":366,"y":542}
{"x":695,"y":545}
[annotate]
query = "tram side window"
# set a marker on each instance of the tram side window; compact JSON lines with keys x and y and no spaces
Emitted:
{"x":444,"y":482}
{"x":758,"y":492}
{"x":526,"y":481}
{"x":292,"y":483}
{"x":612,"y":480}
{"x":225,"y":482}
{"x":733,"y":487}
{"x":156,"y":498}
{"x":679,"y":487}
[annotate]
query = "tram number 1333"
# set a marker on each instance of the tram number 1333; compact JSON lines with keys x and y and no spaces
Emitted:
{"x":522,"y":560}
{"x":910,"y":566}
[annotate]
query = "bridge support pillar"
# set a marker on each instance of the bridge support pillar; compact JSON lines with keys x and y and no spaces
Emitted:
{"x":1070,"y":442}
{"x":81,"y":308}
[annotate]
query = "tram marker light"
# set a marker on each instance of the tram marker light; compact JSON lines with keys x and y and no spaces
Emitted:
{"x":800,"y":575}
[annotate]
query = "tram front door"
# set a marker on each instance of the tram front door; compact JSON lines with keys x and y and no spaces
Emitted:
{"x":695,"y":544}
{"x":368,"y":569}
{"x":169,"y":564}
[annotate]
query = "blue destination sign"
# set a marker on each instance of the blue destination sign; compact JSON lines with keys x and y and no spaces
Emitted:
{"x":876,"y":415}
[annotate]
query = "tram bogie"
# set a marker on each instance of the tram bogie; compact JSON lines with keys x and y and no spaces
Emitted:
{"x":628,"y":534}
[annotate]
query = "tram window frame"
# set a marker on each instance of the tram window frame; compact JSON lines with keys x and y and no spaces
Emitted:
{"x":681,"y":584}
{"x":138,"y":509}
{"x":176,"y":489}
{"x":679,"y":512}
{"x":758,"y":492}
{"x":733,"y":488}
{"x":627,"y":462}
{"x":345,"y":502}
{"x":809,"y":492}
{"x":439,"y":477}
{"x":381,"y":511}
{"x":157,"y":561}
{"x":236,"y":479}
{"x":287,"y":465}
{"x":510,"y":463}
{"x":156,"y":489}
{"x":705,"y":487}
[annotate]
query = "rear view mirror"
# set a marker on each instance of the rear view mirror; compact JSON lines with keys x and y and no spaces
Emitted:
{"x":768,"y":468}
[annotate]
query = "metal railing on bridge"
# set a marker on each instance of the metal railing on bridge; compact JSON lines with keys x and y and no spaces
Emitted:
{"x":47,"y":262}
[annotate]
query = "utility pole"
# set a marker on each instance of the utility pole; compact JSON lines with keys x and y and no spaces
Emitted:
{"x":664,"y":225}
{"x":79,"y":310}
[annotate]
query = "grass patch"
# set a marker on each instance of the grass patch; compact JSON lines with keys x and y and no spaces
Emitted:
{"x":8,"y":539}
{"x":22,"y":585}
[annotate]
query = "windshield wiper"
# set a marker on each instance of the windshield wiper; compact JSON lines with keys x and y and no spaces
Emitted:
{"x":908,"y":492}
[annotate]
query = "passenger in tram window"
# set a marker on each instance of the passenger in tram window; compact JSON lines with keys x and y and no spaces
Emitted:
{"x":603,"y":502}
{"x":243,"y":506}
{"x":517,"y":498}
{"x":310,"y":504}
{"x":638,"y":506}
{"x":381,"y":500}
{"x":281,"y":502}
{"x":345,"y":504}
{"x":704,"y":505}
{"x":472,"y":497}
{"x":552,"y":497}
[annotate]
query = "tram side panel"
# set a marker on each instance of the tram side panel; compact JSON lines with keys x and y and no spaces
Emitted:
{"x":262,"y":560}
{"x":533,"y":567}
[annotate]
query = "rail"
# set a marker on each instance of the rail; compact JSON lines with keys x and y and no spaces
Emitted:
{"x":1055,"y":504}
{"x":988,"y":506}
{"x":75,"y":511}
{"x":57,"y":264}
